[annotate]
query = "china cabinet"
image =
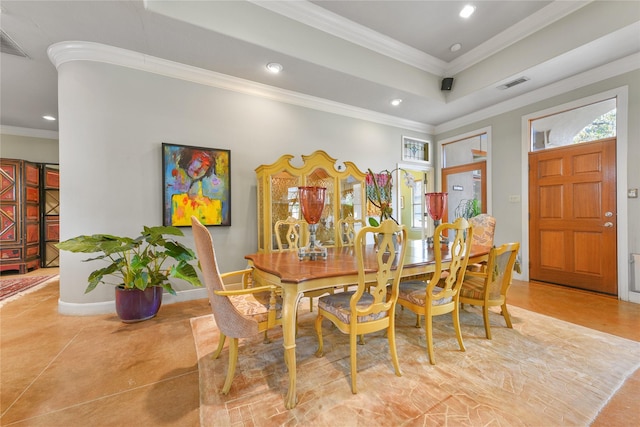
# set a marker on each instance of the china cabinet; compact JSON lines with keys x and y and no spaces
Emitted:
{"x":277,"y":193}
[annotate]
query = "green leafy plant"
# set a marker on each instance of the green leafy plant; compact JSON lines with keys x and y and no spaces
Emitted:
{"x":468,"y":208}
{"x":137,"y":262}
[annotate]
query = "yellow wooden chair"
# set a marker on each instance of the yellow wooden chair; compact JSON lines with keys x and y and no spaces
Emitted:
{"x":360,"y":312}
{"x":348,"y":229}
{"x":238,"y":313}
{"x":435,"y":297}
{"x":489,"y":288}
{"x":292,"y":229}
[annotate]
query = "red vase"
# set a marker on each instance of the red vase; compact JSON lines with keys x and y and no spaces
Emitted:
{"x":134,"y":305}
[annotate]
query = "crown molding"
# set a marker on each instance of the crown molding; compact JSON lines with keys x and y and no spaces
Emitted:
{"x":63,"y":52}
{"x":540,"y":19}
{"x":317,"y":17}
{"x":612,"y":69}
{"x":322,"y":19}
{"x":33,"y":133}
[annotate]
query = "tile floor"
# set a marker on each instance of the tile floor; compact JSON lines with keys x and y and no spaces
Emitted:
{"x":94,"y":370}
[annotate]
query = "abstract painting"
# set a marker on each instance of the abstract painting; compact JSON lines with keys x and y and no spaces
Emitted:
{"x":196,"y":181}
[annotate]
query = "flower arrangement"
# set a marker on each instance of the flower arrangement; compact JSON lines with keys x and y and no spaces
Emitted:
{"x":379,"y":192}
{"x":379,"y":188}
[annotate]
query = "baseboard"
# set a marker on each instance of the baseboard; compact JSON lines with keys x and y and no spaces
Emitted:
{"x":107,"y":307}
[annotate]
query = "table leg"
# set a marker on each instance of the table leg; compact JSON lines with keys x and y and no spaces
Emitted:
{"x":290,"y":303}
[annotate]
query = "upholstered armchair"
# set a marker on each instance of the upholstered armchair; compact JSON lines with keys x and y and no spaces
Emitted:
{"x":238,"y":313}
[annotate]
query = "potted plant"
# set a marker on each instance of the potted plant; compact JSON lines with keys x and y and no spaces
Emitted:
{"x":137,"y":265}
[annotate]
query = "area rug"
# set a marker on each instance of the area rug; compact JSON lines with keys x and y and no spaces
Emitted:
{"x":543,"y":372}
{"x":13,"y":287}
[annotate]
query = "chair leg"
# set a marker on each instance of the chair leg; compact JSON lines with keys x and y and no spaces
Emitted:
{"x":220,"y":345}
{"x":391,"y":335}
{"x":318,"y":325}
{"x":428,"y":327}
{"x":352,"y":346}
{"x":507,"y":317}
{"x":418,"y":321}
{"x":310,"y":304}
{"x":266,"y":339}
{"x":487,"y":326}
{"x":233,"y":360}
{"x":456,"y":325}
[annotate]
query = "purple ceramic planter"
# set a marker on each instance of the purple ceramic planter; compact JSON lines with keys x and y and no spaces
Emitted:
{"x":134,"y":305}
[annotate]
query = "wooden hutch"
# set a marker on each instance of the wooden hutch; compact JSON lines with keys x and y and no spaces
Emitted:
{"x":278,"y":195}
{"x":29,"y":210}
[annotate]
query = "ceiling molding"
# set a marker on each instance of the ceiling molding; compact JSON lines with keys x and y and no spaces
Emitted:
{"x":317,"y":17}
{"x":322,"y":19}
{"x":612,"y":69}
{"x":542,"y":18}
{"x":33,"y":133}
{"x":63,"y":52}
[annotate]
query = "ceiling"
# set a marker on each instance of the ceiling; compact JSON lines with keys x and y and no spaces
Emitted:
{"x":360,"y":54}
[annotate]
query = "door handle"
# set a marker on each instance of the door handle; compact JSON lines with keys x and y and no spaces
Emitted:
{"x":608,"y":224}
{"x":608,"y":214}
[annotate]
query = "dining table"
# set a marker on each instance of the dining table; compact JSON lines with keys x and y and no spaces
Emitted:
{"x":294,"y":276}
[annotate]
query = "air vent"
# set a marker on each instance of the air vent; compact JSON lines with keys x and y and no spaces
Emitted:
{"x":513,"y":83}
{"x":7,"y":45}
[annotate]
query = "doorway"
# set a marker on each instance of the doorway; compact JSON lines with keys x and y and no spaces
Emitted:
{"x":573,"y":205}
{"x":572,"y":225}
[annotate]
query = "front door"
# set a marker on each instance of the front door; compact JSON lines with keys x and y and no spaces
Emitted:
{"x":572,"y":216}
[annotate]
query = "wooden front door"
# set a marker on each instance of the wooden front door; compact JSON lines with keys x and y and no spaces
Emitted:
{"x":572,"y":216}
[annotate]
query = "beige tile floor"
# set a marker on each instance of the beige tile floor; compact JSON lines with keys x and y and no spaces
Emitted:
{"x":96,"y":371}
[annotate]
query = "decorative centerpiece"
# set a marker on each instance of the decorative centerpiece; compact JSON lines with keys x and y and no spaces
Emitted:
{"x":436,"y":205}
{"x":312,"y":205}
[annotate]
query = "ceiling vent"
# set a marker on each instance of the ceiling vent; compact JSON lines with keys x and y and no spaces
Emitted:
{"x":7,"y":45}
{"x":513,"y":83}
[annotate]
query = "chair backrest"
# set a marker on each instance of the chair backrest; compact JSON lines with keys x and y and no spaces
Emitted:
{"x":500,"y":269}
{"x":484,"y":228}
{"x":348,"y":230}
{"x":229,"y":320}
{"x":389,"y":256}
{"x":292,"y":230}
{"x":459,"y":249}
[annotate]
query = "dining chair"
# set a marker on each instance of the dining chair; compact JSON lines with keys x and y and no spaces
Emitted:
{"x":484,"y":228}
{"x":238,"y":313}
{"x":489,"y":288}
{"x":439,"y":294}
{"x":348,"y":228}
{"x":360,"y":311}
{"x":292,"y":229}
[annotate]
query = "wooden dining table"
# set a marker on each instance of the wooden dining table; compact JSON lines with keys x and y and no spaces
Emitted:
{"x":295,"y":276}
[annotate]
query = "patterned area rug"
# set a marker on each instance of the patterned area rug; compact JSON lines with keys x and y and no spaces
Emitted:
{"x":542,"y":372}
{"x":16,"y":286}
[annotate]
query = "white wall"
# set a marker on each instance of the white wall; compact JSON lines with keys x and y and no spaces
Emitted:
{"x":113,"y":121}
{"x":38,"y":150}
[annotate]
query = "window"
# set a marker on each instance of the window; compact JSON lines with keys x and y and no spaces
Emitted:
{"x":583,"y":124}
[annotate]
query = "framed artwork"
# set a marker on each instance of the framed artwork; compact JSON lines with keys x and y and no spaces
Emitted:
{"x":416,"y":150}
{"x":196,"y":181}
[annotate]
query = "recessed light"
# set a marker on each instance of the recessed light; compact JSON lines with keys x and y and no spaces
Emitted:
{"x":50,"y":118}
{"x":455,"y":47}
{"x":396,"y":102}
{"x":467,"y":11}
{"x":274,"y":67}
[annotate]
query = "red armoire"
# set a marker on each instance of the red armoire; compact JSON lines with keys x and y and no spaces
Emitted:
{"x":27,"y":193}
